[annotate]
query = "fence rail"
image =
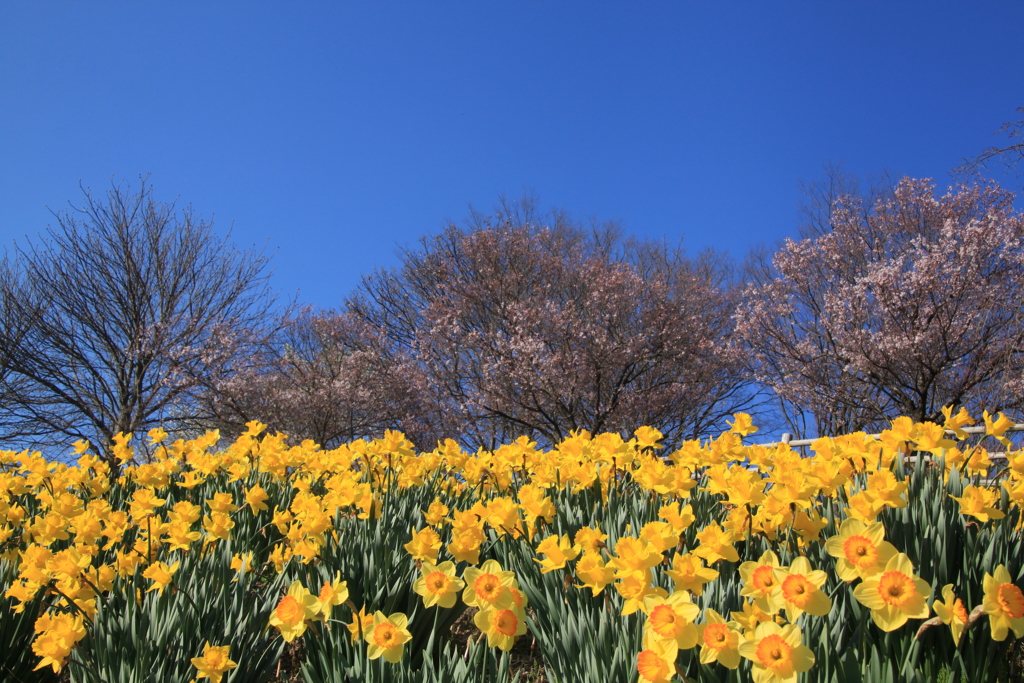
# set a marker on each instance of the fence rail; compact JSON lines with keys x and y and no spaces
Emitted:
{"x":787,"y":438}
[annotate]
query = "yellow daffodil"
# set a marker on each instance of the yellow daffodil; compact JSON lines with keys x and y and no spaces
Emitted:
{"x":360,"y":620}
{"x":719,"y":640}
{"x":500,"y":625}
{"x":241,"y":562}
{"x":180,"y":536}
{"x":465,"y":546}
{"x":57,"y":635}
{"x":894,"y":595}
{"x":191,"y":479}
{"x":435,"y":512}
{"x":424,"y":545}
{"x":760,"y":581}
{"x":955,"y":422}
{"x":386,"y":636}
{"x":68,"y":563}
{"x":884,"y":489}
{"x":438,"y":585}
{"x":979,"y":502}
{"x":648,"y":437}
{"x":214,"y":662}
{"x":634,"y":589}
{"x":799,"y":590}
{"x":1004,"y":604}
{"x":557,"y":552}
{"x":634,"y":556}
{"x":332,"y":594}
{"x":161,"y":575}
{"x":256,"y":498}
{"x":742,"y":425}
{"x":778,"y":653}
{"x":222,"y":502}
{"x":951,"y":611}
{"x":656,"y":663}
{"x":144,"y":502}
{"x":293,"y":611}
{"x":156,"y":435}
{"x":996,"y":428}
{"x":680,"y":519}
{"x":590,"y":539}
{"x":672,"y":618}
{"x":592,"y":571}
{"x":487,"y":586}
{"x":859,"y":549}
{"x":932,"y":438}
{"x":716,"y":544}
{"x":660,"y":535}
{"x":688,"y":573}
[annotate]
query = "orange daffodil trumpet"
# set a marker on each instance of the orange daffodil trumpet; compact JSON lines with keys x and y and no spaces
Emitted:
{"x":488,"y":586}
{"x":501,"y":626}
{"x":656,"y":662}
{"x":760,"y":581}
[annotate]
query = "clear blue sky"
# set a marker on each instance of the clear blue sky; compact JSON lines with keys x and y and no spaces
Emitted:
{"x":332,"y":132}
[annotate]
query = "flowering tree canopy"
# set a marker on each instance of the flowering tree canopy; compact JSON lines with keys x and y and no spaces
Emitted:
{"x":507,"y":328}
{"x":904,"y":308}
{"x":323,"y":375}
{"x":516,"y":328}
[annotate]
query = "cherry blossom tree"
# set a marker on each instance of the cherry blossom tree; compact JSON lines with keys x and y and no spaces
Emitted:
{"x":513,"y":328}
{"x":505,"y":328}
{"x":901,"y":308}
{"x":325,"y":376}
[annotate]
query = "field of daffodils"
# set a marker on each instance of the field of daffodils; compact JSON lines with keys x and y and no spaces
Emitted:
{"x":895,"y":557}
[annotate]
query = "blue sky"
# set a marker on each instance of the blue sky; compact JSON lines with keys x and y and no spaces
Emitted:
{"x":334,"y":132}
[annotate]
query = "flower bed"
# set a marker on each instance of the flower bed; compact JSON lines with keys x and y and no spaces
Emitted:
{"x":720,"y":561}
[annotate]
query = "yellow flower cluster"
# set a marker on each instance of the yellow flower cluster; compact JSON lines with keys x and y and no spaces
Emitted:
{"x":76,"y":533}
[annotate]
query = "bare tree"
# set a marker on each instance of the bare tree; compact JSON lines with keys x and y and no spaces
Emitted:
{"x":1010,"y":155}
{"x":118,"y":315}
{"x":902,"y":308}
